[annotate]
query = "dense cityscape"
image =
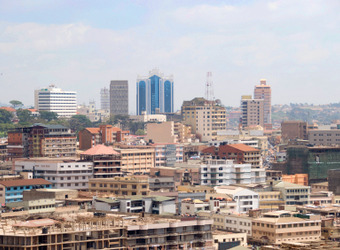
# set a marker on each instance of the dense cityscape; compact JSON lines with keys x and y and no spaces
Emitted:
{"x":163,"y":125}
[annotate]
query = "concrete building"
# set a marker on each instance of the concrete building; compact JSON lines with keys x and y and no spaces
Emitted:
{"x":246,"y":199}
{"x":137,"y":204}
{"x":224,"y":172}
{"x":123,"y":231}
{"x":193,"y":207}
{"x":129,"y":185}
{"x":293,"y":194}
{"x":105,"y":98}
{"x":321,"y":186}
{"x":136,"y":160}
{"x":239,"y":153}
{"x":252,"y":112}
{"x":148,"y":117}
{"x":180,"y":175}
{"x":282,"y":226}
{"x":62,"y":173}
{"x":263,"y":91}
{"x":104,"y":134}
{"x":205,"y":117}
{"x":270,"y":200}
{"x":11,"y":191}
{"x":237,"y":223}
{"x":155,"y":93}
{"x":167,"y":154}
{"x":292,"y":130}
{"x":300,"y":179}
{"x":334,"y":180}
{"x":53,"y":99}
{"x":324,"y":137}
{"x":161,"y":132}
{"x":119,"y":97}
{"x":106,"y":161}
{"x":162,"y":184}
{"x":228,"y":240}
{"x":41,"y":140}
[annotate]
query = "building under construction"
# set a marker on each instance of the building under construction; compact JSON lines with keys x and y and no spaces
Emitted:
{"x":314,"y":161}
{"x":111,"y":231}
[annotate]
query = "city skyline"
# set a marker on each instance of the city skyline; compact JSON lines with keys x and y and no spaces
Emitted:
{"x":293,"y":45}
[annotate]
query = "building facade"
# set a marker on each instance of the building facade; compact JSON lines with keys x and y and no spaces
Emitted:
{"x":119,"y":98}
{"x":62,"y":173}
{"x":105,"y":99}
{"x":206,"y":118}
{"x":56,"y":100}
{"x":155,"y":93}
{"x":263,"y":91}
{"x":41,"y":140}
{"x":252,"y":112}
{"x":292,"y":130}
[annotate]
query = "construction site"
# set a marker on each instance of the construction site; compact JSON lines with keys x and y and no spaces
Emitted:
{"x":88,"y":230}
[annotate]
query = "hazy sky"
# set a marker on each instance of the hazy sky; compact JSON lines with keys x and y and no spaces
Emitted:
{"x":82,"y":45}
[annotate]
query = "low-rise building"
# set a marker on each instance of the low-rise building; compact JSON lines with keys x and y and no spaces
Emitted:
{"x":322,"y":198}
{"x":193,"y":207}
{"x":168,"y":154}
{"x":137,"y":204}
{"x":293,"y":194}
{"x":225,"y":240}
{"x":162,"y":184}
{"x":11,"y":191}
{"x":300,"y":179}
{"x":245,"y":199}
{"x":283,"y":226}
{"x":270,"y":200}
{"x":62,"y":173}
{"x":129,"y":185}
{"x":320,"y":186}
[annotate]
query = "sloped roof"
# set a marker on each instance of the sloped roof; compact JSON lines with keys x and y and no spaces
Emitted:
{"x":100,"y":150}
{"x":93,"y":130}
{"x":243,"y":147}
{"x":9,"y":109}
{"x":24,"y":182}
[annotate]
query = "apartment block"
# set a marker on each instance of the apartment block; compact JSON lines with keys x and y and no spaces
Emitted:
{"x":168,"y":154}
{"x":282,"y":226}
{"x":136,"y":160}
{"x":41,"y":140}
{"x":106,"y":161}
{"x":239,"y":153}
{"x":263,"y":91}
{"x":252,"y":112}
{"x":129,"y":185}
{"x":224,"y":172}
{"x":205,"y":117}
{"x":62,"y":173}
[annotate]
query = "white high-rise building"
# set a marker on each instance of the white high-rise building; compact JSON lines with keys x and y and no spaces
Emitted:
{"x":56,"y":100}
{"x":105,"y":99}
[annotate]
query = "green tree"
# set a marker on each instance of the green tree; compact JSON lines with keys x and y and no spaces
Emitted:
{"x":24,"y":115}
{"x":79,"y":122}
{"x":4,"y":128}
{"x":16,"y":104}
{"x":5,"y":116}
{"x":140,"y":132}
{"x":48,"y":116}
{"x":121,"y":120}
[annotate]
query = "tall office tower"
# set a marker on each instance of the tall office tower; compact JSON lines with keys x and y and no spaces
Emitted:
{"x":263,"y":91}
{"x":119,"y":98}
{"x":205,"y":117}
{"x":105,"y":99}
{"x":155,"y":93}
{"x":54,"y":99}
{"x":252,"y":111}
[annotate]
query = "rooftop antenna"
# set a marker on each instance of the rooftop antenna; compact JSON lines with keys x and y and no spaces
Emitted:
{"x":209,"y":90}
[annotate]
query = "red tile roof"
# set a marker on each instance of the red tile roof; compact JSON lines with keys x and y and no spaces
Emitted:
{"x":93,"y":130}
{"x":243,"y":147}
{"x":24,"y":182}
{"x":9,"y":109}
{"x":100,"y":150}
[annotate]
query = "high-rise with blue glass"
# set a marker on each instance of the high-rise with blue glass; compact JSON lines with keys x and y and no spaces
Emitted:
{"x":155,"y":93}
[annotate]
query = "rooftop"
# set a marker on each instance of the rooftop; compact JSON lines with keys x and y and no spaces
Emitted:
{"x":24,"y":182}
{"x":100,"y":150}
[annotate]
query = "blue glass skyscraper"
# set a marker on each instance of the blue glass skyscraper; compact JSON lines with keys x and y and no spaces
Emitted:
{"x":155,"y":93}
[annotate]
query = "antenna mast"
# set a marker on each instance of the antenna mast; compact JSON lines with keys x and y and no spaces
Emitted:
{"x":209,"y":90}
